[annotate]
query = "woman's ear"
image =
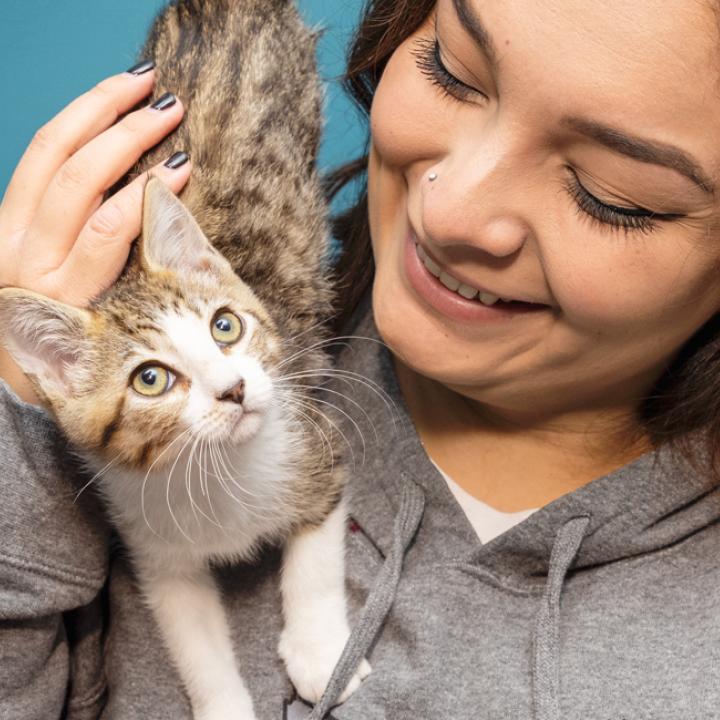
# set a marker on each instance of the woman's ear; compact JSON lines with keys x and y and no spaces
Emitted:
{"x":46,"y":338}
{"x":171,"y":239}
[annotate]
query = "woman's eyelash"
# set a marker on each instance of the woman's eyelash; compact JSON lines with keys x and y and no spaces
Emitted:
{"x":623,"y":218}
{"x":429,"y":62}
{"x":630,"y":219}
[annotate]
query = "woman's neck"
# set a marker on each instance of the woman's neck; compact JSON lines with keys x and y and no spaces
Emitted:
{"x":515,"y":466}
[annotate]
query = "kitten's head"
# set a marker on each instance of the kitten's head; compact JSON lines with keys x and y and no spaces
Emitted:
{"x":178,"y":350}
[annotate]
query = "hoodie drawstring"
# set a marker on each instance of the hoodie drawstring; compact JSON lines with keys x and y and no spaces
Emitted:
{"x":379,"y":601}
{"x":546,"y":666}
{"x":546,"y":641}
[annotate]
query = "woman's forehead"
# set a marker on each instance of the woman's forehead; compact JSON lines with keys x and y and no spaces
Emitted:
{"x":614,"y":26}
{"x":651,"y":66}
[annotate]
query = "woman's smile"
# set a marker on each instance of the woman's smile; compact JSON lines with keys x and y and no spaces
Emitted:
{"x":456,"y":300}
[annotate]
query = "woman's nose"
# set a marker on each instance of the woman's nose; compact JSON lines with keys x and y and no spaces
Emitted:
{"x":477,"y":208}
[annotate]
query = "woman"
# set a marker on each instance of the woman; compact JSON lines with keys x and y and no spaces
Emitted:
{"x":559,"y":155}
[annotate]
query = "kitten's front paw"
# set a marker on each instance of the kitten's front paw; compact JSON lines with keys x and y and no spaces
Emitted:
{"x":226,"y":708}
{"x":361,"y":673}
{"x":311,"y":658}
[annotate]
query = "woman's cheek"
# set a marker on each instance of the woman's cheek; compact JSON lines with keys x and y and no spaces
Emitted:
{"x":408,"y":118}
{"x":609,"y":289}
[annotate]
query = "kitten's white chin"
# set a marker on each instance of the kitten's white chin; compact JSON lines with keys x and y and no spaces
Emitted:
{"x":246,"y":428}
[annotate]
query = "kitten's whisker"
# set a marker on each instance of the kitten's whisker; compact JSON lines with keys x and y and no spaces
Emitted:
{"x":228,"y":467}
{"x":350,"y":419}
{"x":377,"y":341}
{"x":95,"y":477}
{"x":172,"y":470}
{"x":251,"y":509}
{"x":341,"y":340}
{"x":200,"y":474}
{"x":341,"y":372}
{"x":188,"y":491}
{"x":232,"y":471}
{"x":180,"y":452}
{"x":315,"y":409}
{"x":188,"y":483}
{"x":167,"y":494}
{"x":323,"y":437}
{"x":207,"y":486}
{"x":348,"y":399}
{"x":147,"y":475}
{"x":350,"y":377}
{"x":325,"y":442}
{"x":320,"y":346}
{"x":314,"y":326}
{"x":330,"y":342}
{"x":218,"y":476}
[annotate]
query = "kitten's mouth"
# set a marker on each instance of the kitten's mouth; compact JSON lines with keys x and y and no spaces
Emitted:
{"x":246,"y":427}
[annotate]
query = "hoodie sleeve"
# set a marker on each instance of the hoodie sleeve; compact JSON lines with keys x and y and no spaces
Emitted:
{"x":53,"y":565}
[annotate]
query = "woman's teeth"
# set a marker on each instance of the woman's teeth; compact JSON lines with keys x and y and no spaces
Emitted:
{"x":451,"y":283}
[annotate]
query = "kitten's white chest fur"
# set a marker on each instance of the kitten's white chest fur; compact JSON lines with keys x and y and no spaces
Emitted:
{"x":212,"y":501}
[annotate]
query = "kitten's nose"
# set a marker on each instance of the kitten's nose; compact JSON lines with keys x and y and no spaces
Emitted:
{"x":235,"y":394}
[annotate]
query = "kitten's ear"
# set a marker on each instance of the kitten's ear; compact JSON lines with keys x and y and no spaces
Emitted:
{"x":171,"y":239}
{"x":44,"y":337}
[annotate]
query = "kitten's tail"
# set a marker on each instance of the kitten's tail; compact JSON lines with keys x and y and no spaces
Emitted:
{"x":246,"y":73}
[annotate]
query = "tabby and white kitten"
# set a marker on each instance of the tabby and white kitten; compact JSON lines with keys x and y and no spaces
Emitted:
{"x":186,"y":385}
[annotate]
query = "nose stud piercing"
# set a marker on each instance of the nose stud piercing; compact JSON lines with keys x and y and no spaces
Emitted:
{"x":432,"y":177}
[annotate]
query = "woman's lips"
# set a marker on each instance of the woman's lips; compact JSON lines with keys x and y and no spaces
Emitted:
{"x":450,"y":303}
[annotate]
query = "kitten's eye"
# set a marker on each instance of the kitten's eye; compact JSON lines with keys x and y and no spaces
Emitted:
{"x":152,"y":380}
{"x":227,"y":328}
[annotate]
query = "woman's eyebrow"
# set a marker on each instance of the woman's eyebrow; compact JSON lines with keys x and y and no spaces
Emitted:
{"x":472,"y":24}
{"x":648,"y":151}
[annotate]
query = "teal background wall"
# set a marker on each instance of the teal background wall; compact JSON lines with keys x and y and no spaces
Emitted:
{"x":51,"y":51}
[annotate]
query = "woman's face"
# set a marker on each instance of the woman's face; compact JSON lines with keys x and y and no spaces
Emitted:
{"x":576,"y":149}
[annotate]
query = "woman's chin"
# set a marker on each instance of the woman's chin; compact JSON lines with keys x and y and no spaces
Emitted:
{"x":428,"y":346}
{"x":413,"y":335}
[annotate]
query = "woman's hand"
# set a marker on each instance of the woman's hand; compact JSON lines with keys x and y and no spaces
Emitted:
{"x":58,"y":235}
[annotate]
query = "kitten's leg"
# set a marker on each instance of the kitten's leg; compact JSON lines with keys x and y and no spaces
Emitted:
{"x":188,"y":609}
{"x":313,"y":592}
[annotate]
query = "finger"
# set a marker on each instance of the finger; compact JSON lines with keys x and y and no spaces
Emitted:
{"x":56,"y":141}
{"x":102,"y":248}
{"x":91,"y":171}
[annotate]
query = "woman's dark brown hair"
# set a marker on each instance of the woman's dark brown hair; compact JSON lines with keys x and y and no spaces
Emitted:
{"x":385,"y":25}
{"x":683,"y":408}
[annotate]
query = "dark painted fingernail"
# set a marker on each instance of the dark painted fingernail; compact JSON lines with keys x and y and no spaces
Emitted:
{"x":141,"y":68}
{"x":176,"y":160}
{"x":164,"y":102}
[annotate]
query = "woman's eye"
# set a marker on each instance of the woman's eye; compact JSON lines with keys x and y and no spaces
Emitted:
{"x":227,"y":328}
{"x":429,"y":61}
{"x":624,"y":218}
{"x":152,"y":380}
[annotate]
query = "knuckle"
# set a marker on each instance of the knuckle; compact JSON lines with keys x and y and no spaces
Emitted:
{"x":134,"y":194}
{"x":132,"y":123}
{"x":107,"y":222}
{"x":43,"y":139}
{"x":136,"y":134}
{"x":104,"y":89}
{"x":71,"y":175}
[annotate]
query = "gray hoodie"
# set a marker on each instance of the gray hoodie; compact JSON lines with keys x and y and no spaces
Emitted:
{"x":601,"y":605}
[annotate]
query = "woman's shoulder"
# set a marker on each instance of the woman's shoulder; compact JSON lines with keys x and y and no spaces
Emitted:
{"x":54,"y":548}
